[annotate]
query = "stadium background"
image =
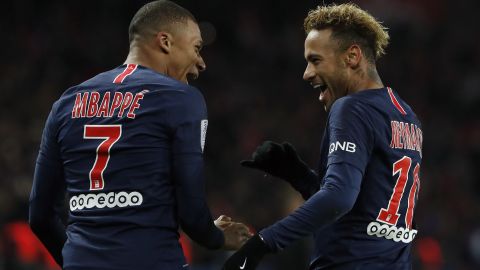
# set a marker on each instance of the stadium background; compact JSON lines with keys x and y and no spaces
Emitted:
{"x":254,"y":91}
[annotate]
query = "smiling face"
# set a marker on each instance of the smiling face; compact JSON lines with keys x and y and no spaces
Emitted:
{"x":326,"y":70}
{"x":185,"y":59}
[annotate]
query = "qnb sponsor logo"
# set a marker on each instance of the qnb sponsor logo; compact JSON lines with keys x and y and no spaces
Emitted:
{"x":101,"y":200}
{"x":344,"y":146}
{"x":397,"y":234}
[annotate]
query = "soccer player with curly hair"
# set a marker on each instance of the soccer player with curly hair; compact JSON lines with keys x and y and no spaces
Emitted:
{"x":360,"y":202}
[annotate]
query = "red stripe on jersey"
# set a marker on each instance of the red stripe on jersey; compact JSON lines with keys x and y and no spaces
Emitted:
{"x":128,"y":71}
{"x":395,"y":101}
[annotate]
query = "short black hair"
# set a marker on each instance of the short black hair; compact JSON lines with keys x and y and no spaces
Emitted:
{"x":157,"y":16}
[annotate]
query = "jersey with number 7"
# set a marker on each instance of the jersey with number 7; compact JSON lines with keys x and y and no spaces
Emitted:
{"x":127,"y":147}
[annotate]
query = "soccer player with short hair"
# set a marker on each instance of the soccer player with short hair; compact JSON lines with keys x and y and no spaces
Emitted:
{"x":360,"y":203}
{"x":127,"y":147}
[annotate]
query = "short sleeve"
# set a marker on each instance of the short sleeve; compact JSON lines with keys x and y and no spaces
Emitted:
{"x":350,"y":133}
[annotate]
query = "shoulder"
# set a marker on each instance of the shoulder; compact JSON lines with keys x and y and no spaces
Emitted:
{"x":188,"y":91}
{"x":350,"y":105}
{"x":52,"y":122}
{"x":177,"y":102}
{"x":177,"y":94}
{"x":351,"y":113}
{"x":160,"y":82}
{"x":164,"y":85}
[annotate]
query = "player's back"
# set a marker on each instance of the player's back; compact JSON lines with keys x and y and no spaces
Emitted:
{"x":115,"y":133}
{"x":377,"y":232}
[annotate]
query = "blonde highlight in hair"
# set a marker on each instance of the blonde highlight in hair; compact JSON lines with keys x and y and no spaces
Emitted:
{"x":350,"y":25}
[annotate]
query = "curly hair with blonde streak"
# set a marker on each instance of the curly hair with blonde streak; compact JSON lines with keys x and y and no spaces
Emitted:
{"x":350,"y":25}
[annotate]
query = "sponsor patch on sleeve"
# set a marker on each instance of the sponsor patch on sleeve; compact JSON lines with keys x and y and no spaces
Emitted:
{"x":203,"y":132}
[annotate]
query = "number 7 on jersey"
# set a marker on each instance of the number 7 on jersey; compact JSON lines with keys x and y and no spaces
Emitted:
{"x":110,"y":135}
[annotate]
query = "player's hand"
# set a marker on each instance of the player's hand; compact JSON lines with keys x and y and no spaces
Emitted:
{"x":248,"y":256}
{"x":223,"y":221}
{"x":236,"y":234}
{"x":280,"y":160}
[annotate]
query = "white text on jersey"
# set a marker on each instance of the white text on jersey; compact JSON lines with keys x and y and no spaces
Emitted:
{"x":109,"y":200}
{"x":397,"y":234}
{"x":344,"y":146}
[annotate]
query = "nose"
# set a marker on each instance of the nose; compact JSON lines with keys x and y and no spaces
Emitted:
{"x":309,"y":73}
{"x":201,"y":64}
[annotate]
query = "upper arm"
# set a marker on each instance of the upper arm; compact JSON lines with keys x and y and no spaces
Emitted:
{"x":48,"y":183}
{"x":188,"y":123}
{"x":350,"y":134}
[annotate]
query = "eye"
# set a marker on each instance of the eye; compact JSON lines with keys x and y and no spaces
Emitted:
{"x":315,"y":60}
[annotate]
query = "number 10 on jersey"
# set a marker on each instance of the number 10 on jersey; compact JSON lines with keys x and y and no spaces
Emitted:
{"x":110,"y":135}
{"x":390,"y":215}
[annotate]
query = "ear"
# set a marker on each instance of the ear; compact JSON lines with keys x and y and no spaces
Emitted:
{"x":164,"y":41}
{"x":353,"y":56}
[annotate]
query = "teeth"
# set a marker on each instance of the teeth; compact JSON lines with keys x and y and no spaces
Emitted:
{"x":322,"y":87}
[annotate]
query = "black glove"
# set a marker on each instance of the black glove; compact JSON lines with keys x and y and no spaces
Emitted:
{"x":280,"y":160}
{"x":248,"y":256}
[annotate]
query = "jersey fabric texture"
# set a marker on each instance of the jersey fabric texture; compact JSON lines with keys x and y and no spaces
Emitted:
{"x":361,"y":214}
{"x":127,"y":146}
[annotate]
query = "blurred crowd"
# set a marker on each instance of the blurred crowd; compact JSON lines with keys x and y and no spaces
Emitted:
{"x":254,"y":91}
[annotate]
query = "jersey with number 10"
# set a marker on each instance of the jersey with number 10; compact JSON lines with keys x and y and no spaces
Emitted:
{"x":129,"y":143}
{"x":378,"y":133}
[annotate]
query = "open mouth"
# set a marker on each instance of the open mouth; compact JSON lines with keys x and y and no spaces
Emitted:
{"x":321,"y":87}
{"x":323,"y":92}
{"x":192,"y":76}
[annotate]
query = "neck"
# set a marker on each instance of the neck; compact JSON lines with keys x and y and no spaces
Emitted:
{"x":141,"y":54}
{"x":367,"y":78}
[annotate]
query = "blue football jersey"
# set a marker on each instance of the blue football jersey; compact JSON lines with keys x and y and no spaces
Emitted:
{"x":370,"y":161}
{"x":378,"y":133}
{"x":129,"y":144}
